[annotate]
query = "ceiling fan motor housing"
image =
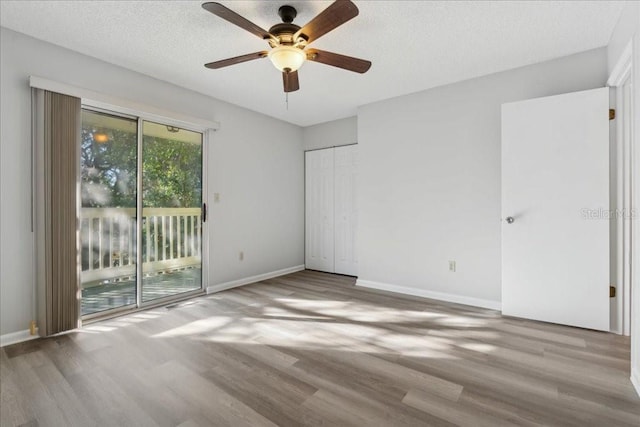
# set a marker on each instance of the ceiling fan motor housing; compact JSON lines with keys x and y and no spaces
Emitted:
{"x":287,"y":13}
{"x":285,"y":31}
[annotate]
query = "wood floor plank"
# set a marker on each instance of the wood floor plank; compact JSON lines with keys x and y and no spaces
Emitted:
{"x":36,"y":393}
{"x":453,"y":412}
{"x":107,"y":401}
{"x":313,"y":349}
{"x":521,"y":415}
{"x":16,"y":409}
{"x":382,"y":406}
{"x":217,"y":405}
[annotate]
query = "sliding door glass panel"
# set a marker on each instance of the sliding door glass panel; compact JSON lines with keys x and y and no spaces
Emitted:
{"x":171,"y":215}
{"x":108,"y":168}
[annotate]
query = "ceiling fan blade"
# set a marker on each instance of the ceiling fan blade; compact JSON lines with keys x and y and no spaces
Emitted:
{"x":341,"y":61}
{"x":290,"y":81}
{"x":335,"y":15}
{"x":228,"y":14}
{"x":237,"y":60}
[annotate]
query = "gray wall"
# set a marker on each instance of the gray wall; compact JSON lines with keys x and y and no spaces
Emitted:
{"x":331,"y":134}
{"x":429,"y":179}
{"x":255,"y":164}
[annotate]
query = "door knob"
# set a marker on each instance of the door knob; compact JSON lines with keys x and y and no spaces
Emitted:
{"x":509,"y":219}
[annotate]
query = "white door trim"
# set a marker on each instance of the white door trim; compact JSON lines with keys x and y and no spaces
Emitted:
{"x":625,"y":205}
{"x":622,"y":69}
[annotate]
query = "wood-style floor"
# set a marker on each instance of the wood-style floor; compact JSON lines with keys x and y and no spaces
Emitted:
{"x":312,"y":349}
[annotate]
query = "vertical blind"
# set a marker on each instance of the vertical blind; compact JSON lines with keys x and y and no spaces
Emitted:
{"x":56,"y":208}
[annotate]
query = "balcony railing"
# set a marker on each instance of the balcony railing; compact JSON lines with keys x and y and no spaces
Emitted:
{"x":171,"y":239}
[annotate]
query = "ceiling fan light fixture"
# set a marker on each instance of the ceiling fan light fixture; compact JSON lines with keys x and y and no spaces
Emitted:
{"x":287,"y":58}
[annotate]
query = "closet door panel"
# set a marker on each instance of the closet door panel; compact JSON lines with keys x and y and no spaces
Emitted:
{"x":319,"y":210}
{"x":346,"y":216}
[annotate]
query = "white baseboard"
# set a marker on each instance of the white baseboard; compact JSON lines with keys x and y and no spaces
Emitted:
{"x":16,"y":337}
{"x":441,"y":296}
{"x":635,"y":380}
{"x":253,"y":279}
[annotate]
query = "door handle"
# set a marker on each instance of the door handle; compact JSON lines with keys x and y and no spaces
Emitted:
{"x":204,"y":212}
{"x":509,"y":219}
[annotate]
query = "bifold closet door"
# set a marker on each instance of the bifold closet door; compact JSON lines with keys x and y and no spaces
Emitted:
{"x":319,"y":210}
{"x":345,"y":212}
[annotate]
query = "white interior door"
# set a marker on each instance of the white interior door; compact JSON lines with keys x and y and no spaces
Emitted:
{"x":319,"y":210}
{"x":555,"y":172}
{"x":346,"y":217}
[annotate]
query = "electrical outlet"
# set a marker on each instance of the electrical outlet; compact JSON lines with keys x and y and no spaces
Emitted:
{"x":241,"y":255}
{"x":452,"y":266}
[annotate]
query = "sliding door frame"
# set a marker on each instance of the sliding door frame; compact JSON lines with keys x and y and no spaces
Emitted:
{"x":141,"y":117}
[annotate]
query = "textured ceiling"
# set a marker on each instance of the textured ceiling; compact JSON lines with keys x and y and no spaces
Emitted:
{"x":414,"y":45}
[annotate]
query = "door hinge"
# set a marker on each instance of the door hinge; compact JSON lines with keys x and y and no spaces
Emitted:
{"x":612,"y":291}
{"x":612,"y":114}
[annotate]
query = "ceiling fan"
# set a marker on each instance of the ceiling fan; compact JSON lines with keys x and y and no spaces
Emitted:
{"x":288,"y":41}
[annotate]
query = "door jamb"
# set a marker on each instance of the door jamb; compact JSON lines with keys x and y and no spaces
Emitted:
{"x":625,"y":205}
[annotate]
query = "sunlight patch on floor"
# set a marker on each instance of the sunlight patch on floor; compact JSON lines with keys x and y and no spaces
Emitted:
{"x":479,"y":347}
{"x":99,"y":328}
{"x":476,"y":334}
{"x":197,"y":327}
{"x":310,"y":334}
{"x":458,"y":321}
{"x":346,"y":326}
{"x":280,"y":312}
{"x":358,"y":311}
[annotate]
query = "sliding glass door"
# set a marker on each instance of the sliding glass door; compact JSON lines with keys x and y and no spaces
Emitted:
{"x":108,"y":171}
{"x":141,"y":185}
{"x":171,"y":213}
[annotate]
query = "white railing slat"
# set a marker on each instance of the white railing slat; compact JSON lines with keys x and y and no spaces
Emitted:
{"x":100,"y":246}
{"x":90,"y":242}
{"x":171,"y":237}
